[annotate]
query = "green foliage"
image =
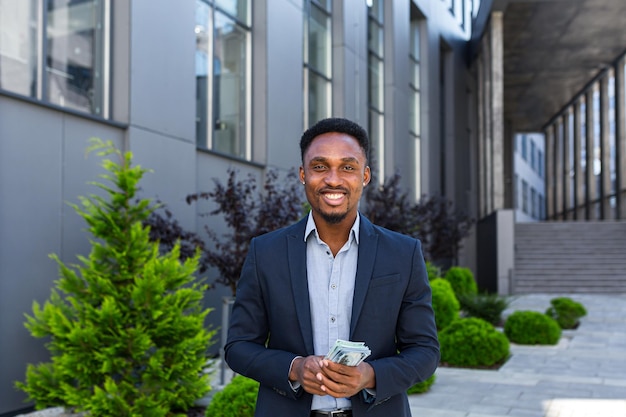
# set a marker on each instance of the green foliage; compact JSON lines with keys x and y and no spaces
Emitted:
{"x":433,"y":271}
{"x":422,"y":387}
{"x":237,"y":399}
{"x":247,"y":209}
{"x":125,"y":326}
{"x":532,"y":328}
{"x":433,"y":219}
{"x":488,"y":307}
{"x":462,"y":280}
{"x":566,"y":312}
{"x":473,"y":342}
{"x":445,"y":304}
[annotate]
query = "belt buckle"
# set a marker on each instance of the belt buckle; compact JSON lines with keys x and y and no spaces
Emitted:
{"x":337,"y":413}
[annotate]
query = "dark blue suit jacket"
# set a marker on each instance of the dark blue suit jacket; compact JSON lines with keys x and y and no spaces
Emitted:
{"x":391,"y":312}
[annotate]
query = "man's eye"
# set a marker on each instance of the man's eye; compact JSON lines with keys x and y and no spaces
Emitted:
{"x":349,"y":168}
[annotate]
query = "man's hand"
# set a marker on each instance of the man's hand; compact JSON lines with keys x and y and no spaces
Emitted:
{"x":305,"y":371}
{"x":342,"y":381}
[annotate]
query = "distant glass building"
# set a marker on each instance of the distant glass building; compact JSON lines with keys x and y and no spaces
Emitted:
{"x":529,"y":177}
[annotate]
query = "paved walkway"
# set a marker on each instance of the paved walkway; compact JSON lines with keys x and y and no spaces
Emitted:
{"x":584,"y":375}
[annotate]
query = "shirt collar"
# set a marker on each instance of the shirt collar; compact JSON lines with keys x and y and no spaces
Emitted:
{"x":311,"y":228}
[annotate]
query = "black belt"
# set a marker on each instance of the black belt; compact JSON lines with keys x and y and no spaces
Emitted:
{"x":334,"y":413}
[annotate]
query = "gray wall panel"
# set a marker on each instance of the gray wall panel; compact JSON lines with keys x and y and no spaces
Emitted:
{"x":285,"y":105}
{"x":162,"y":81}
{"x":173,"y":175}
{"x":30,"y":223}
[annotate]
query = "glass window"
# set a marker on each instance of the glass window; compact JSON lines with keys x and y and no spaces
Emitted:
{"x":18,"y":47}
{"x":376,"y":82}
{"x":524,"y":196}
{"x":238,"y":9}
{"x":318,"y":97}
{"x":532,"y":154}
{"x":414,"y":84}
{"x":63,"y":61}
{"x":317,"y":61}
{"x":223,"y":79}
{"x":415,"y":121}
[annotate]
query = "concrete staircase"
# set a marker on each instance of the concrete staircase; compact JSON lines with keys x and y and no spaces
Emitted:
{"x":570,"y":257}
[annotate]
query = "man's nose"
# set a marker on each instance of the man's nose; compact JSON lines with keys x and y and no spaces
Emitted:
{"x":333,"y":177}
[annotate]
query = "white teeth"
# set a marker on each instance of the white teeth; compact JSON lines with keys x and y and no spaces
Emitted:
{"x":334,"y":196}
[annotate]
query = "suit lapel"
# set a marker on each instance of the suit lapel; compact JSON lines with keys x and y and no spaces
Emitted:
{"x":296,"y":256}
{"x":368,"y":241}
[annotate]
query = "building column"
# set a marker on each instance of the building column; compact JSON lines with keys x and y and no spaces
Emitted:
{"x":482,"y":160}
{"x":567,"y":167}
{"x":590,"y":179}
{"x":605,"y":150}
{"x":497,"y":102}
{"x":620,"y":138}
{"x":549,"y":173}
{"x":579,"y":196}
{"x":559,"y":211}
{"x":488,"y":133}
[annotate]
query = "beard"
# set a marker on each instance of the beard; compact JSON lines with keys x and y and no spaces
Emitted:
{"x":333,"y":218}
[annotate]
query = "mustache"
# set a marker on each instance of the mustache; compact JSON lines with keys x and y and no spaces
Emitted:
{"x":333,"y":189}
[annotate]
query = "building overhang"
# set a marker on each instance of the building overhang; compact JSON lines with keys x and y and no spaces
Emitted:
{"x":552,"y":49}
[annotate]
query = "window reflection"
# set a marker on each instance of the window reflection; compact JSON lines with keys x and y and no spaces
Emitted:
{"x":317,"y":61}
{"x":18,"y":46}
{"x":222,"y":79}
{"x":72,"y":36}
{"x":61,"y":62}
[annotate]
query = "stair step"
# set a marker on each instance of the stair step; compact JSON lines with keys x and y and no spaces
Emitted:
{"x":574,"y":257}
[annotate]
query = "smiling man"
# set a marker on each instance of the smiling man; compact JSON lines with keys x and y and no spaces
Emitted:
{"x":333,"y":276}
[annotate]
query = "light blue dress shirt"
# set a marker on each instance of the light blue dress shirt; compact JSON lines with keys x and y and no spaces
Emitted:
{"x":331,"y":289}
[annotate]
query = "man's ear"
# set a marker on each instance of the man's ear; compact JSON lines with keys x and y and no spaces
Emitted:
{"x":367,"y":176}
{"x":301,"y":175}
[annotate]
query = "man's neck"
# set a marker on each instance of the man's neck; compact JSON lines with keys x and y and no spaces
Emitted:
{"x":335,"y":235}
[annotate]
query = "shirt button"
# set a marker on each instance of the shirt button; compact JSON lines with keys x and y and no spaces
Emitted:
{"x":333,"y":286}
{"x":332,"y":319}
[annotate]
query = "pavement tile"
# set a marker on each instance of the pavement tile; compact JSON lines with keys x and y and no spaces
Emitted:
{"x":584,"y":375}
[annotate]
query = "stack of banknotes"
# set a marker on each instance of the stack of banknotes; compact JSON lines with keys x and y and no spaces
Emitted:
{"x":348,"y":353}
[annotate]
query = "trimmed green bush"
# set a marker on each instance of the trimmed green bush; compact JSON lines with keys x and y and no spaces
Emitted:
{"x":462,"y":280}
{"x":422,"y":387}
{"x":433,"y":271}
{"x":488,"y":307}
{"x":473,"y":342}
{"x":237,"y":399}
{"x":445,"y":304}
{"x":566,"y":312}
{"x":532,"y":328}
{"x":125,"y":325}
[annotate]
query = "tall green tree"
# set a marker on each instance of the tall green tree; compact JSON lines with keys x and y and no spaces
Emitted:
{"x":125,"y":325}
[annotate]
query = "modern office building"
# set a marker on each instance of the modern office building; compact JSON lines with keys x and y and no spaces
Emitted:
{"x":528,"y":177}
{"x":195,"y":87}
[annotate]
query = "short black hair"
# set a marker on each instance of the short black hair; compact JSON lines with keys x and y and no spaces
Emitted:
{"x":339,"y":125}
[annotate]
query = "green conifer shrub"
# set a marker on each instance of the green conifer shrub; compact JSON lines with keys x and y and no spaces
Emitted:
{"x":462,"y":280}
{"x":124,"y":326}
{"x":237,"y":399}
{"x":472,"y":342}
{"x":445,"y":304}
{"x":566,"y":312}
{"x":422,"y":387}
{"x":532,"y":328}
{"x":488,"y":307}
